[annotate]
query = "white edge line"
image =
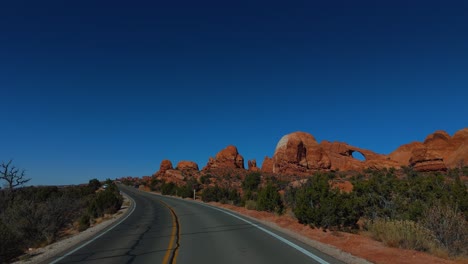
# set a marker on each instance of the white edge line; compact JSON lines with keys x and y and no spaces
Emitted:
{"x":98,"y":236}
{"x":287,"y":242}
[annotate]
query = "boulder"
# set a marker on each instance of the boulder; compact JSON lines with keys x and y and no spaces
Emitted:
{"x":228,"y":158}
{"x":187,"y":166}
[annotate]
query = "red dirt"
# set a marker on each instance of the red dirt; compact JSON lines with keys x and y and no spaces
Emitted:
{"x":355,"y":244}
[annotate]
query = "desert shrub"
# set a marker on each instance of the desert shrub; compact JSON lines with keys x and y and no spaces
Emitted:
{"x":211,"y":194}
{"x":94,"y":184}
{"x":168,"y":188}
{"x":185,"y":191}
{"x":155,"y":184}
{"x":249,"y":195}
{"x":108,"y":201}
{"x":37,"y":222}
{"x":10,"y":244}
{"x":251,"y":181}
{"x":376,"y":195}
{"x":251,"y":205}
{"x":234,"y":197}
{"x":402,"y":234}
{"x":269,"y":199}
{"x":84,"y":222}
{"x":318,"y":205}
{"x":449,"y":228}
{"x":37,"y":214}
{"x":205,"y":179}
{"x":218,"y":194}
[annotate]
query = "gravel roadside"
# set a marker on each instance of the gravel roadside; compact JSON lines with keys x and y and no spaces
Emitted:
{"x":42,"y":254}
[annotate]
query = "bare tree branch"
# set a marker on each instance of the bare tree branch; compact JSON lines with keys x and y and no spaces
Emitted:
{"x":12,"y":175}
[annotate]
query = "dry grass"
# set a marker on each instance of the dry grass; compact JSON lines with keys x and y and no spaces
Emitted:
{"x":403,"y":234}
{"x":251,"y":205}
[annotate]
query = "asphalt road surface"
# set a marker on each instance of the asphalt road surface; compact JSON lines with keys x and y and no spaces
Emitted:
{"x":163,"y":229}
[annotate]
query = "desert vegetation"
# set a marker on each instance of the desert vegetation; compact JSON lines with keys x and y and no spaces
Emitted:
{"x":425,"y":211}
{"x":36,"y":216}
{"x":407,"y":209}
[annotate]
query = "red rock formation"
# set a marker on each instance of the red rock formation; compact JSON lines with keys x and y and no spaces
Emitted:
{"x":403,"y":154}
{"x":423,"y":159}
{"x":228,"y":158}
{"x":439,"y":151}
{"x":187,"y":166}
{"x":173,"y":176}
{"x":299,"y":153}
{"x":267,"y":165}
{"x":341,"y":157}
{"x":252,"y":165}
{"x":167,"y":173}
{"x":165,"y":165}
{"x":459,"y":157}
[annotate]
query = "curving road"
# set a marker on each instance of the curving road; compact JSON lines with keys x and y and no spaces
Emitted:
{"x":163,"y":229}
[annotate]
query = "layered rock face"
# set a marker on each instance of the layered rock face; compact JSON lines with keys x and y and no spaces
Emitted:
{"x":228,"y":158}
{"x":423,"y":159}
{"x":438,"y":152}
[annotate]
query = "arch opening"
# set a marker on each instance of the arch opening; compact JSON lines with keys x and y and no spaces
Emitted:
{"x":358,"y":155}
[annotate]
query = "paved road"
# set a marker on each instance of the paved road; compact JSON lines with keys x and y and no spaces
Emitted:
{"x":170,"y":230}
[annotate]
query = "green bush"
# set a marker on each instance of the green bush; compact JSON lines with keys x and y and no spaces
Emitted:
{"x":251,"y":181}
{"x":318,"y":205}
{"x":168,"y":188}
{"x":218,"y":194}
{"x":269,"y":199}
{"x":106,"y":202}
{"x":94,"y":184}
{"x":212,"y":194}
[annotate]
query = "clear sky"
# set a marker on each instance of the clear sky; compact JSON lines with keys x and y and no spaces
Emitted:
{"x":104,"y":89}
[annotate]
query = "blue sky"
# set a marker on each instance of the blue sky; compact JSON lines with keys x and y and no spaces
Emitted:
{"x":109,"y":89}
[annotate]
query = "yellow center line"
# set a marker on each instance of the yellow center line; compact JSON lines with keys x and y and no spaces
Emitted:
{"x":175,"y":235}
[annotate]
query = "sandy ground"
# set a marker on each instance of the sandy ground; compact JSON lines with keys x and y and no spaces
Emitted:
{"x":41,"y":254}
{"x":358,"y":245}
